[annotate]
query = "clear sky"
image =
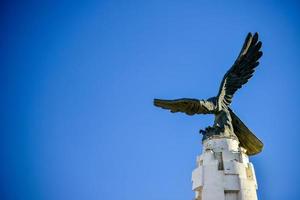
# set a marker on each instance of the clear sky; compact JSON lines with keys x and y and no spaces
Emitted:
{"x":78,"y":80}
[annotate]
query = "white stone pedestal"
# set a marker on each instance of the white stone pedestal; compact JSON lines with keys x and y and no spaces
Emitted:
{"x":224,"y":172}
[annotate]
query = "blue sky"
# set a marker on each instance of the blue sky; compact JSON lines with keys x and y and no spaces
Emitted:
{"x":78,"y":81}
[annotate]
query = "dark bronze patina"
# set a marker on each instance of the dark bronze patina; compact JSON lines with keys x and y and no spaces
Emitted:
{"x":226,"y":123}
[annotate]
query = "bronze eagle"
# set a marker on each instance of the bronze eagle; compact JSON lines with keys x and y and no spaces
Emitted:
{"x":226,"y":123}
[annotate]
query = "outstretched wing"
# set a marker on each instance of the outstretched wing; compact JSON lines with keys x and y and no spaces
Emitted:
{"x":185,"y":105}
{"x":241,"y":71}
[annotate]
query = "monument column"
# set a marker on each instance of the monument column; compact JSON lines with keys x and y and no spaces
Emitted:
{"x":224,"y":172}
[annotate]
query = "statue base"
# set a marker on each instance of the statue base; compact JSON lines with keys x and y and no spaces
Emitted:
{"x":216,"y":132}
{"x":224,"y":172}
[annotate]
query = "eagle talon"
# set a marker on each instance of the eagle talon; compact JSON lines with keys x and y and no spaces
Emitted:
{"x":203,"y":132}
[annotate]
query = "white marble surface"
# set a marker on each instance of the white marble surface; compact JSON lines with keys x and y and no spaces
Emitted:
{"x":224,"y":172}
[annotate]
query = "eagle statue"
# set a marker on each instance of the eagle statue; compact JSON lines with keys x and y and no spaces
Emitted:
{"x":226,"y":123}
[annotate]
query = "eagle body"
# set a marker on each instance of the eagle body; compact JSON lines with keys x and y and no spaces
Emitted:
{"x":226,"y":123}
